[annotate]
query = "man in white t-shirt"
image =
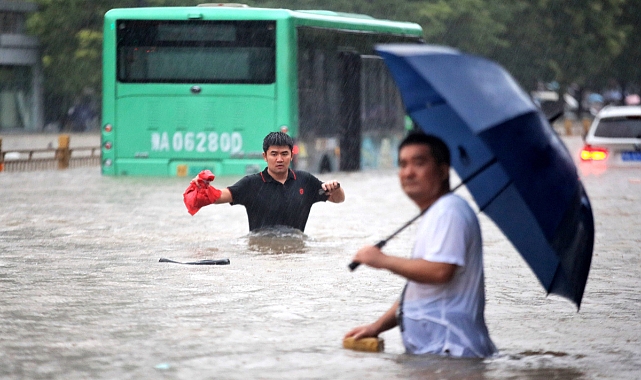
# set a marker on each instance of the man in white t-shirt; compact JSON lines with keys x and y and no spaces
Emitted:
{"x":441,"y":309}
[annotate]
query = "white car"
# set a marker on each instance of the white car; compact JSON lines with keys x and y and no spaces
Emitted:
{"x":614,"y":138}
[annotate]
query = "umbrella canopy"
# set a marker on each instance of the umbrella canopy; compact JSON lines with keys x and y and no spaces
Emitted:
{"x":511,"y":160}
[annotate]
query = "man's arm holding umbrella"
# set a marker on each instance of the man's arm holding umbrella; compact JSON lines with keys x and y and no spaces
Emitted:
{"x":417,"y":270}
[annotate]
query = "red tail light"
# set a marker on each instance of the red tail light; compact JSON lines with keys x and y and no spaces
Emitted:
{"x":593,"y":153}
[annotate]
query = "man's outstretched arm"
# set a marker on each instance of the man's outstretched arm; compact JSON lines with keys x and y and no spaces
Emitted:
{"x":225,"y":196}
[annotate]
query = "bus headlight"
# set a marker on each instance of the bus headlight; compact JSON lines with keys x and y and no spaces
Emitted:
{"x":108,"y":128}
{"x":108,"y":145}
{"x":107,"y":162}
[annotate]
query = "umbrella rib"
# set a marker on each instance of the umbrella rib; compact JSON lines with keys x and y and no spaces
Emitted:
{"x":477,"y":172}
{"x":426,"y":105}
{"x":495,"y":196}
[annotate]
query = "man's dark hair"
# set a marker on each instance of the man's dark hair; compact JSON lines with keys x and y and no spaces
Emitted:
{"x":439,"y":149}
{"x":277,"y":139}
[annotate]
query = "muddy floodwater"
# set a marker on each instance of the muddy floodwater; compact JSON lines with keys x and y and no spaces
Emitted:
{"x":84,"y":296}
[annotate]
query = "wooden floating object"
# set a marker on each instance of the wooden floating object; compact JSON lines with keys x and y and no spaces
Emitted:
{"x":364,"y":344}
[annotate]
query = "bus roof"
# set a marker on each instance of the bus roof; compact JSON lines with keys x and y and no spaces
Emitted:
{"x":312,"y":18}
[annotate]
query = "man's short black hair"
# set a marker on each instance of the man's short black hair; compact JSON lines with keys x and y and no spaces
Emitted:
{"x":439,"y":149}
{"x":277,"y":139}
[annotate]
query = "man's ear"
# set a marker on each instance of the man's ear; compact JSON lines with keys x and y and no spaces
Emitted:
{"x":265,"y":156}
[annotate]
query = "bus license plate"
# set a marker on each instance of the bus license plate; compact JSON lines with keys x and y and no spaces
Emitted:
{"x":631,"y":156}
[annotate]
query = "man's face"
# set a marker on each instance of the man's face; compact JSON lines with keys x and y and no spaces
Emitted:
{"x":421,"y":177}
{"x":278,"y":159}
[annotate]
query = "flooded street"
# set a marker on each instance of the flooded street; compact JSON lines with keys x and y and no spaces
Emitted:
{"x":82,"y":294}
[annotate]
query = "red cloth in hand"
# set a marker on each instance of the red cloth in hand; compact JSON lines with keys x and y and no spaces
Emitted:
{"x":197,"y":196}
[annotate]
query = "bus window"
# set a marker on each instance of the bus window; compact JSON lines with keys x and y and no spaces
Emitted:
{"x":196,"y":51}
{"x":320,"y":81}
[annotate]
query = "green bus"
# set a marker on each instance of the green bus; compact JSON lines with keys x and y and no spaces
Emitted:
{"x":193,"y":88}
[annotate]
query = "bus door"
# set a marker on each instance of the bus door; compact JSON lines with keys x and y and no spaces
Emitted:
{"x":350,"y":111}
{"x":371,"y":113}
{"x":382,"y":115}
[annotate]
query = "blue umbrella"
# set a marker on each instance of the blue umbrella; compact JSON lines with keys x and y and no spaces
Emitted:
{"x":507,"y":154}
{"x":595,"y":98}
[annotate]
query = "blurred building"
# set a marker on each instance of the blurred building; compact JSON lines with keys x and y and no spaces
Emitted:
{"x":20,"y":71}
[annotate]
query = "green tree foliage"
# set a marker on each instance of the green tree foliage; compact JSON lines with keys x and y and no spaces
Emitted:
{"x":471,"y":25}
{"x":567,"y":42}
{"x":574,"y":41}
{"x":70,"y":34}
{"x":626,"y":67}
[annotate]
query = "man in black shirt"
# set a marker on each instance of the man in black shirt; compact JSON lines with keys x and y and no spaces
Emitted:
{"x":280,"y":196}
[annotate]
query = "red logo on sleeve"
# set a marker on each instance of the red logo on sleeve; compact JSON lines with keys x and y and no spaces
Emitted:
{"x":301,"y":191}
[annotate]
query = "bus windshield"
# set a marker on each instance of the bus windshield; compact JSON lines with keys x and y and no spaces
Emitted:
{"x":196,"y":51}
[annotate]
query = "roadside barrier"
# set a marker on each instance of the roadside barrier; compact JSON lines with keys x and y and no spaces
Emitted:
{"x":62,"y":157}
{"x":570,"y":127}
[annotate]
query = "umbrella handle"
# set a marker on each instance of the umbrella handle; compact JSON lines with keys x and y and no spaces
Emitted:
{"x":354,"y":264}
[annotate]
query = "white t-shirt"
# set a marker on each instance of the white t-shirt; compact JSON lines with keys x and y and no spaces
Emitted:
{"x":448,"y":318}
